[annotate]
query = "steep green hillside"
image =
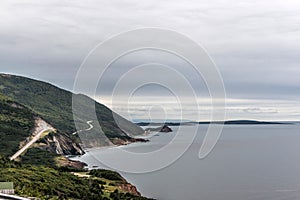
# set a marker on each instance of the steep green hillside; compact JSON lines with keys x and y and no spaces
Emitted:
{"x":43,"y":174}
{"x":55,"y":106}
{"x":16,"y":123}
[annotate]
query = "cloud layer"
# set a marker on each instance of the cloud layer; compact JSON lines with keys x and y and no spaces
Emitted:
{"x":254,"y":43}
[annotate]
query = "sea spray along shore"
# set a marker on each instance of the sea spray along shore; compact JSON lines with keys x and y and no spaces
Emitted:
{"x":42,"y":170}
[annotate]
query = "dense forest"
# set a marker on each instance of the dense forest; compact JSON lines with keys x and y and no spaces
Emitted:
{"x":62,"y":183}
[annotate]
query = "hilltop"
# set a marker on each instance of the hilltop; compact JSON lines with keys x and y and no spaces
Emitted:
{"x":54,"y":105}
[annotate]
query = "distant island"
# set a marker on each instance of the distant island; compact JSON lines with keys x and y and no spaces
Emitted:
{"x":165,"y":123}
{"x":229,"y":122}
{"x":164,"y":129}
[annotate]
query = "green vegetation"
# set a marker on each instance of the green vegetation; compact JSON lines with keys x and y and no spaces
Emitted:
{"x":107,"y":174}
{"x":49,"y":183}
{"x":40,"y":173}
{"x":36,"y":156}
{"x":54,"y":105}
{"x":16,"y":123}
{"x":119,"y":195}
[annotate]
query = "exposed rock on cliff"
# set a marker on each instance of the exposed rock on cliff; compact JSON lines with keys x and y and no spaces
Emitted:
{"x":61,"y":144}
{"x":65,"y":162}
{"x":130,"y":189}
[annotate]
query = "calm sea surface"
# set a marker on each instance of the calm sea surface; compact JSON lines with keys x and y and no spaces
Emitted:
{"x":250,"y":162}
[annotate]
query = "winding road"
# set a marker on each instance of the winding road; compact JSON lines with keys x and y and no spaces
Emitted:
{"x":89,"y":128}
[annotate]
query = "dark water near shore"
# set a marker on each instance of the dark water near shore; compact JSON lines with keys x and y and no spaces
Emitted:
{"x":250,"y":162}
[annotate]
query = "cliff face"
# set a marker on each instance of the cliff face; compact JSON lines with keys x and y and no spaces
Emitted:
{"x":54,"y":142}
{"x":127,"y":187}
{"x":54,"y":105}
{"x":61,"y":144}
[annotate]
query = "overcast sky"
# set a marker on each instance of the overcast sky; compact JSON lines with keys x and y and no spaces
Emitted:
{"x":254,"y":43}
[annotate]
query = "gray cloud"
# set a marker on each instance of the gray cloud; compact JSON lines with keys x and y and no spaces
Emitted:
{"x":254,"y":43}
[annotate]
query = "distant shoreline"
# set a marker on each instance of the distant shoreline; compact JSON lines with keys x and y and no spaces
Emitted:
{"x":229,"y":122}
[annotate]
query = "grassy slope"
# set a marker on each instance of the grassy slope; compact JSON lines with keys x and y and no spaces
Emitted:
{"x":55,"y":106}
{"x":16,"y":123}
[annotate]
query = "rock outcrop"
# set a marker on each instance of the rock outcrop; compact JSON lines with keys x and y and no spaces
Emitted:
{"x":62,"y":144}
{"x":163,"y":128}
{"x":130,"y":189}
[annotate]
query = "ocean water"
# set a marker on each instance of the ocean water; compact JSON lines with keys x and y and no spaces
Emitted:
{"x":249,"y":162}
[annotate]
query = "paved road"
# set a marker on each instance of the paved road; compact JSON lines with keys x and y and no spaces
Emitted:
{"x":91,"y":125}
{"x":90,"y":128}
{"x":31,"y":142}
